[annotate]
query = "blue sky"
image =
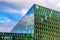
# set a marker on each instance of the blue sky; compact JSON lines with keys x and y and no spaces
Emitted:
{"x":9,"y":16}
{"x":11,"y":11}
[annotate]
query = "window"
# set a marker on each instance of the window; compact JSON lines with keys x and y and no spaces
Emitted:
{"x":37,"y":7}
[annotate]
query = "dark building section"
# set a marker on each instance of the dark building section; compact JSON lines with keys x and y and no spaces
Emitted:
{"x":13,"y":36}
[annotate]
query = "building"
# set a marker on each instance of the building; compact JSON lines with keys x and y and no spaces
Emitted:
{"x":24,"y":30}
{"x":46,"y":23}
{"x":16,"y":36}
{"x":39,"y":23}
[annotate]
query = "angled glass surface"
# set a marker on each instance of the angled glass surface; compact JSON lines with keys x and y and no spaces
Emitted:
{"x":26,"y":24}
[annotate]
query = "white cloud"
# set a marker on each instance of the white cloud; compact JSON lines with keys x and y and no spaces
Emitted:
{"x":58,"y":3}
{"x":10,"y":10}
{"x":52,"y":1}
{"x":53,"y":4}
{"x":7,"y":25}
{"x":4,"y":29}
{"x":23,"y":11}
{"x":1,"y":21}
{"x":8,"y":20}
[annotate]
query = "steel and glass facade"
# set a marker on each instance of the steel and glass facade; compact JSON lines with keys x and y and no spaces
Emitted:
{"x":39,"y":23}
{"x":46,"y":23}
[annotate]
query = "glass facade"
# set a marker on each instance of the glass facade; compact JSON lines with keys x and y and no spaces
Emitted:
{"x":14,"y":36}
{"x":39,"y":23}
{"x":26,"y":24}
{"x":46,"y":23}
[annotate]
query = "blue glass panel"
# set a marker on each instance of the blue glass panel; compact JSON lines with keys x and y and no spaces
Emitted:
{"x":26,"y":24}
